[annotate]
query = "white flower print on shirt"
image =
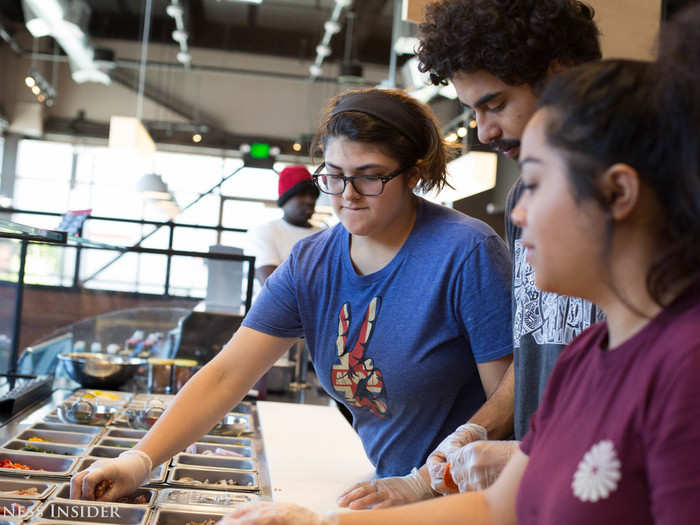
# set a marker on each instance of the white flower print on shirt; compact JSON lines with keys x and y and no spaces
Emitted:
{"x":598,"y":473}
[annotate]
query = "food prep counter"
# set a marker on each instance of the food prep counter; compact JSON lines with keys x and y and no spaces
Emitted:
{"x":285,"y":452}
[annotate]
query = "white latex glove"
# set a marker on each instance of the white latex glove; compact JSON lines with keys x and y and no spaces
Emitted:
{"x":387,"y":492}
{"x":126,"y":472}
{"x":437,"y":461}
{"x":477,"y":465}
{"x":276,"y":514}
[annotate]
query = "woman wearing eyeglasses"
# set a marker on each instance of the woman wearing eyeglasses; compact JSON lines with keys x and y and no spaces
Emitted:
{"x":405,"y":307}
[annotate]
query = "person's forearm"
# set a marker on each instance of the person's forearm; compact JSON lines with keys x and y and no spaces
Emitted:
{"x":207,"y":397}
{"x":471,"y":507}
{"x":496,"y":414}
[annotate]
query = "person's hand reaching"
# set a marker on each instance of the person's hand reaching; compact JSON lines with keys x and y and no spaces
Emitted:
{"x":437,"y":461}
{"x":387,"y":492}
{"x":110,"y":479}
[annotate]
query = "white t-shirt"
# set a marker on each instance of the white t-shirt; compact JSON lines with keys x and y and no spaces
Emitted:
{"x":272,"y":242}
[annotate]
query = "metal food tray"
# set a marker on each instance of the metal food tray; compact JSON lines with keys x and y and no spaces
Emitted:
{"x":67,"y":427}
{"x":122,"y":433}
{"x":93,"y":512}
{"x":181,"y":498}
{"x":105,"y":452}
{"x":63,"y":493}
{"x":64,"y":450}
{"x":45,"y":465}
{"x":125,"y":396}
{"x":124,"y":444}
{"x":246,"y":452}
{"x":236,"y":419}
{"x":51,"y":436}
{"x":244,"y":478}
{"x":225,"y":440}
{"x":158,"y":474}
{"x":181,"y":517}
{"x":214,"y":462}
{"x":29,"y":505}
{"x":7,"y":485}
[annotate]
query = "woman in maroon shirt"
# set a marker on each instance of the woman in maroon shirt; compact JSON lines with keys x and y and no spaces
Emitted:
{"x":610,"y":212}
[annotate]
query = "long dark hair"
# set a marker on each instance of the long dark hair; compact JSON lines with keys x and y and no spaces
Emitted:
{"x":617,"y":111}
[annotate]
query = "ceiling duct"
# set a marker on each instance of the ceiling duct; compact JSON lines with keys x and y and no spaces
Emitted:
{"x":66,"y":21}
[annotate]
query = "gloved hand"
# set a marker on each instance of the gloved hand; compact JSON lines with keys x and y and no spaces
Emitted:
{"x":437,"y":461}
{"x":276,"y":514}
{"x":386,"y":492}
{"x":126,"y":472}
{"x":477,"y":465}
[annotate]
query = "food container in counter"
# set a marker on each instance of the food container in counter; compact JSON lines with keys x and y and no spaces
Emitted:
{"x":17,"y":508}
{"x":123,"y":444}
{"x":36,"y":464}
{"x":60,"y":427}
{"x":42,"y":447}
{"x":213,"y":449}
{"x":233,"y":425}
{"x":213,"y":479}
{"x":50,"y":436}
{"x":92,"y":512}
{"x":22,"y":489}
{"x":168,"y":376}
{"x":223,"y":440}
{"x":158,"y":474}
{"x":141,"y":496}
{"x":105,"y":452}
{"x":214,"y":462}
{"x":180,"y":498}
{"x":123,"y":433}
{"x":183,"y":517}
{"x":85,"y":412}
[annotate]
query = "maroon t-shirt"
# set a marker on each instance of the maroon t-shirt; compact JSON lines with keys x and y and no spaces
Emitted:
{"x":616,"y":438}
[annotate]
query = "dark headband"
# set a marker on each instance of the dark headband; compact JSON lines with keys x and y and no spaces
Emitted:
{"x":387,"y":108}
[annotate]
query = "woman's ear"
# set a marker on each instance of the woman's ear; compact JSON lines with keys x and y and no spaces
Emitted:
{"x":620,"y":186}
{"x":413,"y":176}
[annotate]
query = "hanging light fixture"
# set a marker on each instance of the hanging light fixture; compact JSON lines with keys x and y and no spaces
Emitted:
{"x":129,"y":132}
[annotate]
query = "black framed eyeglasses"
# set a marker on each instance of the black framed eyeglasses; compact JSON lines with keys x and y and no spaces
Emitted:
{"x":366,"y":185}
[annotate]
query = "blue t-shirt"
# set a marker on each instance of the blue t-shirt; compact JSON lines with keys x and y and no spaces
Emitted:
{"x":398,"y":347}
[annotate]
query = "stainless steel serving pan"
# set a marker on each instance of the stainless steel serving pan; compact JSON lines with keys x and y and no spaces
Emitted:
{"x":214,"y":462}
{"x":42,"y":464}
{"x":244,"y":452}
{"x":121,"y":433}
{"x":124,"y":444}
{"x":181,"y":517}
{"x":210,"y":479}
{"x":67,"y":438}
{"x":93,"y":512}
{"x":105,"y":452}
{"x":158,"y":474}
{"x":8,"y":485}
{"x":223,"y":440}
{"x":62,"y":427}
{"x":63,"y":450}
{"x":63,"y":493}
{"x":181,"y":498}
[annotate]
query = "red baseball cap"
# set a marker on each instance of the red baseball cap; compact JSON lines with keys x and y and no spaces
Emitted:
{"x":293,"y":180}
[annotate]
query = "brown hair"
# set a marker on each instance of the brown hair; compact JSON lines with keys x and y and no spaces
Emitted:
{"x":427,"y":150}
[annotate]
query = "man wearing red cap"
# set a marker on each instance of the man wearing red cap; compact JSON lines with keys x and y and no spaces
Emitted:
{"x":272,"y":242}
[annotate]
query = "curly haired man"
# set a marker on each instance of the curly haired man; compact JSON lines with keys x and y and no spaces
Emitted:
{"x":499,"y":54}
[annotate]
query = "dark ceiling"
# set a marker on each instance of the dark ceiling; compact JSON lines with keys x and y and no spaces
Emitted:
{"x":287,"y":28}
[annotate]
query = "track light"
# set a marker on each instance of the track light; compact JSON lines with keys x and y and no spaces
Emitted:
{"x":196,"y":138}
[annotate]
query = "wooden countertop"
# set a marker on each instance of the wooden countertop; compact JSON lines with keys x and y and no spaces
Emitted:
{"x":312,"y":452}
